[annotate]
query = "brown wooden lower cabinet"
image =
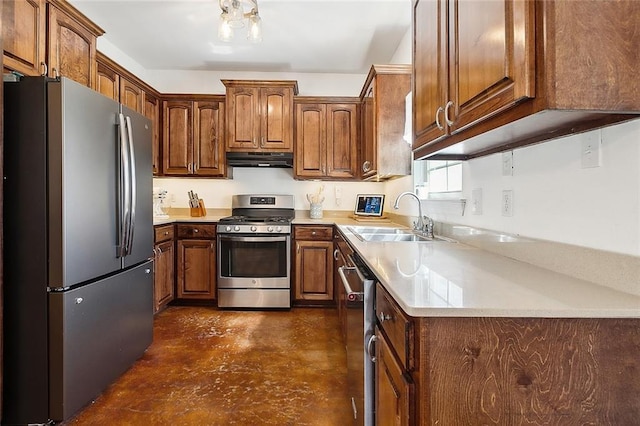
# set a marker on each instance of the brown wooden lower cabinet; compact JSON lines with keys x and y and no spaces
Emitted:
{"x":163,"y":284}
{"x":394,"y":390}
{"x":508,"y":371}
{"x":313,"y":276}
{"x":163,"y":266}
{"x":196,"y":261}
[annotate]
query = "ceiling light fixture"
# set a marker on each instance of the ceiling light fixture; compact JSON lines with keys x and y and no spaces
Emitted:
{"x":233,"y":16}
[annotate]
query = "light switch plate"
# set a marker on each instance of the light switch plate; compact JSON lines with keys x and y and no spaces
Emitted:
{"x":507,"y":203}
{"x":507,"y":163}
{"x":476,"y":201}
{"x":590,"y":149}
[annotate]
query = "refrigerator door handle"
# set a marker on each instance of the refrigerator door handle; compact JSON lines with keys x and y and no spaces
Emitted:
{"x":125,"y":189}
{"x":132,"y":183}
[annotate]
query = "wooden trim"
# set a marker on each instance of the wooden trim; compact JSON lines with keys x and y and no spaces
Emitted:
{"x":124,"y":73}
{"x":383,"y":69}
{"x":192,"y":97}
{"x":325,"y":100}
{"x":78,"y":16}
{"x":262,"y":83}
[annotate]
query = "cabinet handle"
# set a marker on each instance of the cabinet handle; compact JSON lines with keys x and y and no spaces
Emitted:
{"x":335,"y":254}
{"x":56,"y":74}
{"x":438,"y":111}
{"x":195,"y":167}
{"x":366,"y":166}
{"x":446,"y":113}
{"x":382,"y":317}
{"x":262,"y":142}
{"x":45,"y":69}
{"x":297,"y":248}
{"x":189,"y":167}
{"x":372,"y":355}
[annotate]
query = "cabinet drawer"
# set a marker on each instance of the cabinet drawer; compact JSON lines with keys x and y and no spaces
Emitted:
{"x":322,"y":233}
{"x":200,"y":230}
{"x":163,"y":233}
{"x":396,"y":325}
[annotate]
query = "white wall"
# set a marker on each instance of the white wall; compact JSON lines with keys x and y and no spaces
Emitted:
{"x":217,"y":193}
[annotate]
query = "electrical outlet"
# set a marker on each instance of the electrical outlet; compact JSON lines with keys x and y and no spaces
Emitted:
{"x":507,"y":202}
{"x":338,"y":194}
{"x":476,"y":201}
{"x":507,"y":163}
{"x":590,"y":150}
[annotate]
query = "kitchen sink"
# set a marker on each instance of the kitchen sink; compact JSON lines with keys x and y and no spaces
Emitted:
{"x":389,"y":234}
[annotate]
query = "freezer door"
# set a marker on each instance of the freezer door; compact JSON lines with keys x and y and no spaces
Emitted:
{"x":139,"y":134}
{"x":96,"y":333}
{"x":82,"y":150}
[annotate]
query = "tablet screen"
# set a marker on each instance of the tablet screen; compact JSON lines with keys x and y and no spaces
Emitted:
{"x":369,"y":204}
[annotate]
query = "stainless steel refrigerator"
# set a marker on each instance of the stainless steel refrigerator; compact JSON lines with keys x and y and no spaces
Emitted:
{"x":78,"y":243}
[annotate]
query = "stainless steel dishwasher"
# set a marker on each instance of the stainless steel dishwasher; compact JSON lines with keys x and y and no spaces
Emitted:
{"x":359,"y":285}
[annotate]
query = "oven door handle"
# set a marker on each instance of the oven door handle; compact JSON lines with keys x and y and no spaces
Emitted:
{"x":352,"y":296}
{"x":267,"y":239}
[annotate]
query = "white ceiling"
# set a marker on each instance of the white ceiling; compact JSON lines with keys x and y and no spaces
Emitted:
{"x":299,"y":36}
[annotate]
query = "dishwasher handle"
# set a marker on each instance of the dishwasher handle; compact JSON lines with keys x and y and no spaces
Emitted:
{"x":372,"y":355}
{"x":352,"y":296}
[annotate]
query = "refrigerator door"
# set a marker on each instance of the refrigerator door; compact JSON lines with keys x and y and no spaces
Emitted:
{"x":96,"y":332}
{"x":82,"y":149}
{"x":139,"y":137}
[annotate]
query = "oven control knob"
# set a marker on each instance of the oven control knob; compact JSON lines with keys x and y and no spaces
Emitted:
{"x":236,"y":228}
{"x":228,"y":228}
{"x":270,"y":229}
{"x":254,"y":229}
{"x":279,"y":229}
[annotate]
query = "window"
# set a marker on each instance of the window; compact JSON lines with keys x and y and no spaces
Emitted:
{"x":437,"y":178}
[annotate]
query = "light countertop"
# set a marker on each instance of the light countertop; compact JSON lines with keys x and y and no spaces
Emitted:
{"x":457,"y":280}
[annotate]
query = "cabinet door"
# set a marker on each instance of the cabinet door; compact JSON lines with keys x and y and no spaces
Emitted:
{"x":243,"y":118}
{"x":131,"y":95}
{"x":71,"y":49}
{"x":394,"y":393}
{"x":491,"y":58}
{"x":208,"y":141}
{"x":23,"y":36}
{"x":108,"y":82}
{"x":368,"y":158}
{"x":314,"y":271}
{"x":310,"y":140}
{"x":177,"y":137}
{"x":196,"y":269}
{"x":430,"y":69}
{"x":163,"y":288}
{"x":342,"y":140}
{"x":152,"y":112}
{"x":276,"y":119}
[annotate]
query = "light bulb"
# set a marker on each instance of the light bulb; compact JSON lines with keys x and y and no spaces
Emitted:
{"x":254,"y":34}
{"x":225,"y":32}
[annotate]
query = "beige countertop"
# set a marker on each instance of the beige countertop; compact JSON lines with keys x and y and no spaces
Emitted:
{"x":458,"y":280}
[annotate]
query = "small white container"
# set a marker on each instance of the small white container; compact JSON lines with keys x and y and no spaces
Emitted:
{"x":316,"y":211}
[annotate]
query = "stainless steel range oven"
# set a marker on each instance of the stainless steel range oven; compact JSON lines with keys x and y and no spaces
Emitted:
{"x":254,"y":252}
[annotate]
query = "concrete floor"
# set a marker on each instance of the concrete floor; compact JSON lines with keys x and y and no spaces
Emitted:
{"x":214,"y":367}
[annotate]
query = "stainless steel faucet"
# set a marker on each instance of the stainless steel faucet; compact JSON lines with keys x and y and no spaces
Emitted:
{"x":424,"y":224}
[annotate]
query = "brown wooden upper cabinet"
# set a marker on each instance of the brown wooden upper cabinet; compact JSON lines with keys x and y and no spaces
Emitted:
{"x":385,"y":152}
{"x":49,"y":38}
{"x":193,"y":136}
{"x":151,"y":110}
{"x":131,"y":95}
{"x":71,"y":47}
{"x":326,"y":135}
{"x":502,"y":74}
{"x":108,"y":82}
{"x":259,"y":115}
{"x":24,"y":36}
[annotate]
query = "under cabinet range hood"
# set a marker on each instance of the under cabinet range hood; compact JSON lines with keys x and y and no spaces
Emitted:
{"x":260,"y":159}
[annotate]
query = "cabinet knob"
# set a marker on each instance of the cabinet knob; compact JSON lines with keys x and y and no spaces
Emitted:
{"x":382,"y":317}
{"x":166,"y":232}
{"x":195,"y":231}
{"x":366,"y":166}
{"x":313,"y":232}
